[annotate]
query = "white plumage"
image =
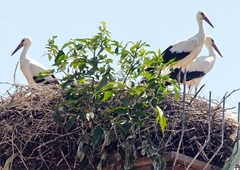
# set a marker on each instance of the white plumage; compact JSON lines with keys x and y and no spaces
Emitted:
{"x":187,"y":50}
{"x":202,"y":64}
{"x":30,"y":67}
{"x":199,"y":67}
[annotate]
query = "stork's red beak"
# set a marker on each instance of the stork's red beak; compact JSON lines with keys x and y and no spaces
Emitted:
{"x":208,"y":21}
{"x":18,"y":47}
{"x":215,"y":47}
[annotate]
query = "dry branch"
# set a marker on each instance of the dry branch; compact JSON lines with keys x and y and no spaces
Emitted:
{"x":29,"y":130}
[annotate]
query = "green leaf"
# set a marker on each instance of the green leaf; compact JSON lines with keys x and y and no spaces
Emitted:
{"x":107,"y":95}
{"x":154,"y":102}
{"x":136,"y":45}
{"x":80,"y":153}
{"x":176,"y":93}
{"x":108,"y":69}
{"x":108,"y":87}
{"x":140,"y":113}
{"x":57,"y":117}
{"x":160,"y":118}
{"x":84,"y":138}
{"x":70,"y":122}
{"x":60,"y":57}
{"x":119,"y":85}
{"x":67,"y":44}
{"x":124,"y":54}
{"x":116,"y":50}
{"x":125,"y":102}
{"x":81,"y":40}
{"x":140,"y":106}
{"x":97,"y":135}
{"x":107,"y":137}
{"x":165,"y":77}
{"x":120,"y":110}
{"x":66,"y":84}
{"x":103,"y":82}
{"x":109,"y":50}
{"x":44,"y":74}
{"x":100,"y":51}
{"x":108,"y":61}
{"x":127,"y":126}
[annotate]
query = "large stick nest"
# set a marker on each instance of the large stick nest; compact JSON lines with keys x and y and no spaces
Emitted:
{"x":28,"y":129}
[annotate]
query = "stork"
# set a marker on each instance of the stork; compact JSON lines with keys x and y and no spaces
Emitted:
{"x":187,"y":50}
{"x":30,"y":67}
{"x":199,"y":67}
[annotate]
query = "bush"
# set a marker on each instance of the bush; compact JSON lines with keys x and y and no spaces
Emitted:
{"x":92,"y":85}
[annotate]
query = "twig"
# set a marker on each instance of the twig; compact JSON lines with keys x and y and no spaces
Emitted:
{"x":65,"y":160}
{"x":183,"y":124}
{"x":19,"y":152}
{"x":9,"y":93}
{"x":179,"y":144}
{"x":41,"y":156}
{"x":195,"y":95}
{"x":230,"y":108}
{"x":170,"y":136}
{"x":226,"y":95}
{"x":14,"y":75}
{"x":6,"y":83}
{"x":201,"y":148}
{"x":30,"y":114}
{"x":222,"y":139}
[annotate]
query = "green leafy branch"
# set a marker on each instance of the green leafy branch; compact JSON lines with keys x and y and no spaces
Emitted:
{"x":94,"y":90}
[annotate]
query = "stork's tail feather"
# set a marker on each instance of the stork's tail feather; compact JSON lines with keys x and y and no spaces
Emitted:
{"x":51,"y":82}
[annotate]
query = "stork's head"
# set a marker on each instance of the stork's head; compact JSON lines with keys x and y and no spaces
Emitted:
{"x":202,"y":16}
{"x":24,"y":42}
{"x":209,"y":42}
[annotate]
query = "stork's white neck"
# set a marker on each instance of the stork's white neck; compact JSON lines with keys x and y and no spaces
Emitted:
{"x":24,"y":53}
{"x":201,"y":29}
{"x":212,"y":52}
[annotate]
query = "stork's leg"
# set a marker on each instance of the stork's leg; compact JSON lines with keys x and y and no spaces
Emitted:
{"x":179,"y":76}
{"x":184,"y":101}
{"x":195,"y":90}
{"x":189,"y":88}
{"x":184,"y":77}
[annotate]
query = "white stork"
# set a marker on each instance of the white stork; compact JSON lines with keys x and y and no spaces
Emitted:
{"x":199,"y":67}
{"x":187,"y":50}
{"x":30,"y":67}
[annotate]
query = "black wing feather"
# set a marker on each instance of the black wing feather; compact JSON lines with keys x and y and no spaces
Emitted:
{"x":54,"y":81}
{"x":190,"y":75}
{"x":168,"y":55}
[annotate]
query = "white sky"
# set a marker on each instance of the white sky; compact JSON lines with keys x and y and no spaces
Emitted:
{"x":159,"y":23}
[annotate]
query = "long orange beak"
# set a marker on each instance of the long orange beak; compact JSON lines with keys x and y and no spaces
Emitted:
{"x":18,"y":47}
{"x":215,"y":47}
{"x":208,"y":21}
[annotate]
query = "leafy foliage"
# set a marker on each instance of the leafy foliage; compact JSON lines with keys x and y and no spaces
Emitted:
{"x":160,"y":118}
{"x":92,"y":85}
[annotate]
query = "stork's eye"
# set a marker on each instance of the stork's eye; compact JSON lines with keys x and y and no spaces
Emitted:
{"x":23,"y":40}
{"x":202,"y":14}
{"x":212,"y":41}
